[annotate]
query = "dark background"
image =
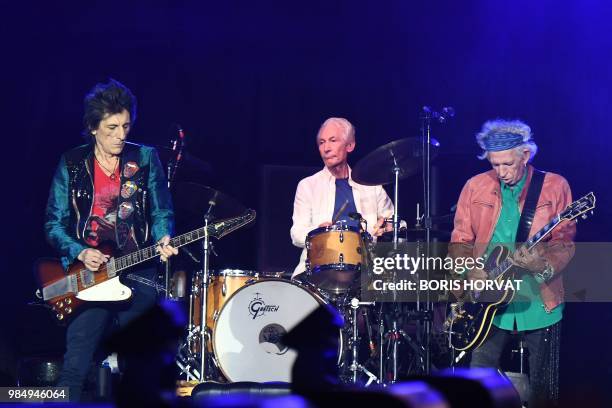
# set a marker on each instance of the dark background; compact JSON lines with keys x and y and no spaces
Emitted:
{"x":251,"y":82}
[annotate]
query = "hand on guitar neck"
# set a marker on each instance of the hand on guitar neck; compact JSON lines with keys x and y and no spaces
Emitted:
{"x":93,"y":258}
{"x":164,"y":248}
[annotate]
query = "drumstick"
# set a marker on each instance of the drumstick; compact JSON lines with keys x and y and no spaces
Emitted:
{"x":340,"y":211}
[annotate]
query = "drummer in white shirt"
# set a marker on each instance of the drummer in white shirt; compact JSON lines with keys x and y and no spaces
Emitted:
{"x":332,"y":192}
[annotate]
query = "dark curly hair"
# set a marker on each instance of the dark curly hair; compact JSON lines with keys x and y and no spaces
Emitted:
{"x":106,"y":99}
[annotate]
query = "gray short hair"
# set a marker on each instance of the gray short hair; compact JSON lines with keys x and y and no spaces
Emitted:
{"x":349,"y":129}
{"x":517,"y":127}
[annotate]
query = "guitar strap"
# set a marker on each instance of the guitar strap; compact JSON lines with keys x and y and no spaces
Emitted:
{"x":533,"y":194}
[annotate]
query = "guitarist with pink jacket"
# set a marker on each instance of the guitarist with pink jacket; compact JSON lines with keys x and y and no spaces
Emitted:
{"x":488,"y":214}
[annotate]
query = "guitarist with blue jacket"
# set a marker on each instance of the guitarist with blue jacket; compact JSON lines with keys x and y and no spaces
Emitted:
{"x":107,"y":191}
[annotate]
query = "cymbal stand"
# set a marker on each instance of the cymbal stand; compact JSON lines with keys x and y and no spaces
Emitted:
{"x":393,"y":334}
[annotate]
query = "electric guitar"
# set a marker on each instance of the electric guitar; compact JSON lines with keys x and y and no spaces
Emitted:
{"x":469,"y":321}
{"x":65,"y":291}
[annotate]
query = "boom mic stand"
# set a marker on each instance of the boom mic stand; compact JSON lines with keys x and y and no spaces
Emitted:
{"x":427,"y":115}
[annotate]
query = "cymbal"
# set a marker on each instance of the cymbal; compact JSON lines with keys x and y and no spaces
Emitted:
{"x":377,"y":167}
{"x":192,"y":200}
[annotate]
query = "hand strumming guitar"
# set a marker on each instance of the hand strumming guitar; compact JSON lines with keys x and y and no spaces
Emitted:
{"x":92,"y":258}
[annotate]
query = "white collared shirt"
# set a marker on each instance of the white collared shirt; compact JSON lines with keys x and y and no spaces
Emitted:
{"x":314,"y":204}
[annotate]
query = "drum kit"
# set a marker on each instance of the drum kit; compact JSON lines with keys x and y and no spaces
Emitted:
{"x":237,"y":318}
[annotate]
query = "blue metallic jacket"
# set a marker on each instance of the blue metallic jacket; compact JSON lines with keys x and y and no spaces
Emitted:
{"x":144,"y":199}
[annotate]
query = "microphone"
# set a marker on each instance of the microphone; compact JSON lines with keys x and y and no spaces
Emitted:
{"x":177,"y":146}
{"x":181,"y":134}
{"x":355,"y":216}
{"x":442,"y":116}
{"x":447,"y":113}
{"x":213,"y":200}
{"x":427,"y":110}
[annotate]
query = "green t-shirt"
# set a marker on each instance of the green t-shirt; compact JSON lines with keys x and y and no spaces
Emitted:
{"x":527,"y":308}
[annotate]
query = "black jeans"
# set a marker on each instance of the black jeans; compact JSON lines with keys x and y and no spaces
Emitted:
{"x":87,"y":330}
{"x":539,"y":346}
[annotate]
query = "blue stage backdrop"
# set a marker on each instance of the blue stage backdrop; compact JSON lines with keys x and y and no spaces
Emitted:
{"x":250,"y":82}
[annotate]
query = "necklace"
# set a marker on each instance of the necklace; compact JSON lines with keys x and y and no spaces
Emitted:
{"x":112,"y":172}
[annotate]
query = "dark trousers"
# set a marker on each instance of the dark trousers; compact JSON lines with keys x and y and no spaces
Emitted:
{"x":88,"y":329}
{"x":541,"y":370}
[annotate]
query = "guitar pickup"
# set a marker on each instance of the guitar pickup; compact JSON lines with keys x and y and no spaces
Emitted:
{"x":87,"y":278}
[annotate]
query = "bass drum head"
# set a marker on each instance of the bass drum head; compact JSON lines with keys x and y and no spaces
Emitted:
{"x":247,"y":334}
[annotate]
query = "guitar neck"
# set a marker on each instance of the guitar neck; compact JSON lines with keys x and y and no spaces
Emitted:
{"x":121,"y":263}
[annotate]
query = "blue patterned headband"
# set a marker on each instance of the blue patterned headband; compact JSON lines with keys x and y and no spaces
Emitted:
{"x":496,"y":142}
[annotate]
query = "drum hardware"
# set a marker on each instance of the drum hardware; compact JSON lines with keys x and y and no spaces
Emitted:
{"x":354,"y":343}
{"x":388,"y":164}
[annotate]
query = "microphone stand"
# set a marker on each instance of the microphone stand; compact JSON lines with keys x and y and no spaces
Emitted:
{"x":206,"y":250}
{"x":426,"y":117}
{"x":426,"y":146}
{"x":172,"y":168}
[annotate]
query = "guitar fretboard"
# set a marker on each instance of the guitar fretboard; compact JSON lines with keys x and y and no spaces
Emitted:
{"x":145,"y":254}
{"x":216,"y":230}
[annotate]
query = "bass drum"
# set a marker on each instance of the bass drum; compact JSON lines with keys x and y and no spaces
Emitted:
{"x":247,"y":334}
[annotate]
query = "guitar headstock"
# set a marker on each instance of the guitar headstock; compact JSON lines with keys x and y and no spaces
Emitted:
{"x":579,"y":208}
{"x":222,"y":228}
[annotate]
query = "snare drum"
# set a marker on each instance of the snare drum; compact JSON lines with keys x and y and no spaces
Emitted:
{"x":247,"y":335}
{"x":335,"y":256}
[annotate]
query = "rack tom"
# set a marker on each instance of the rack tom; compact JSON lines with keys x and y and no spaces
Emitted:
{"x":223,"y":284}
{"x":335,"y":256}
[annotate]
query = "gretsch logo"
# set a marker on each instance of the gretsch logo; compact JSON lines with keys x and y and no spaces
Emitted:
{"x":258,"y":307}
